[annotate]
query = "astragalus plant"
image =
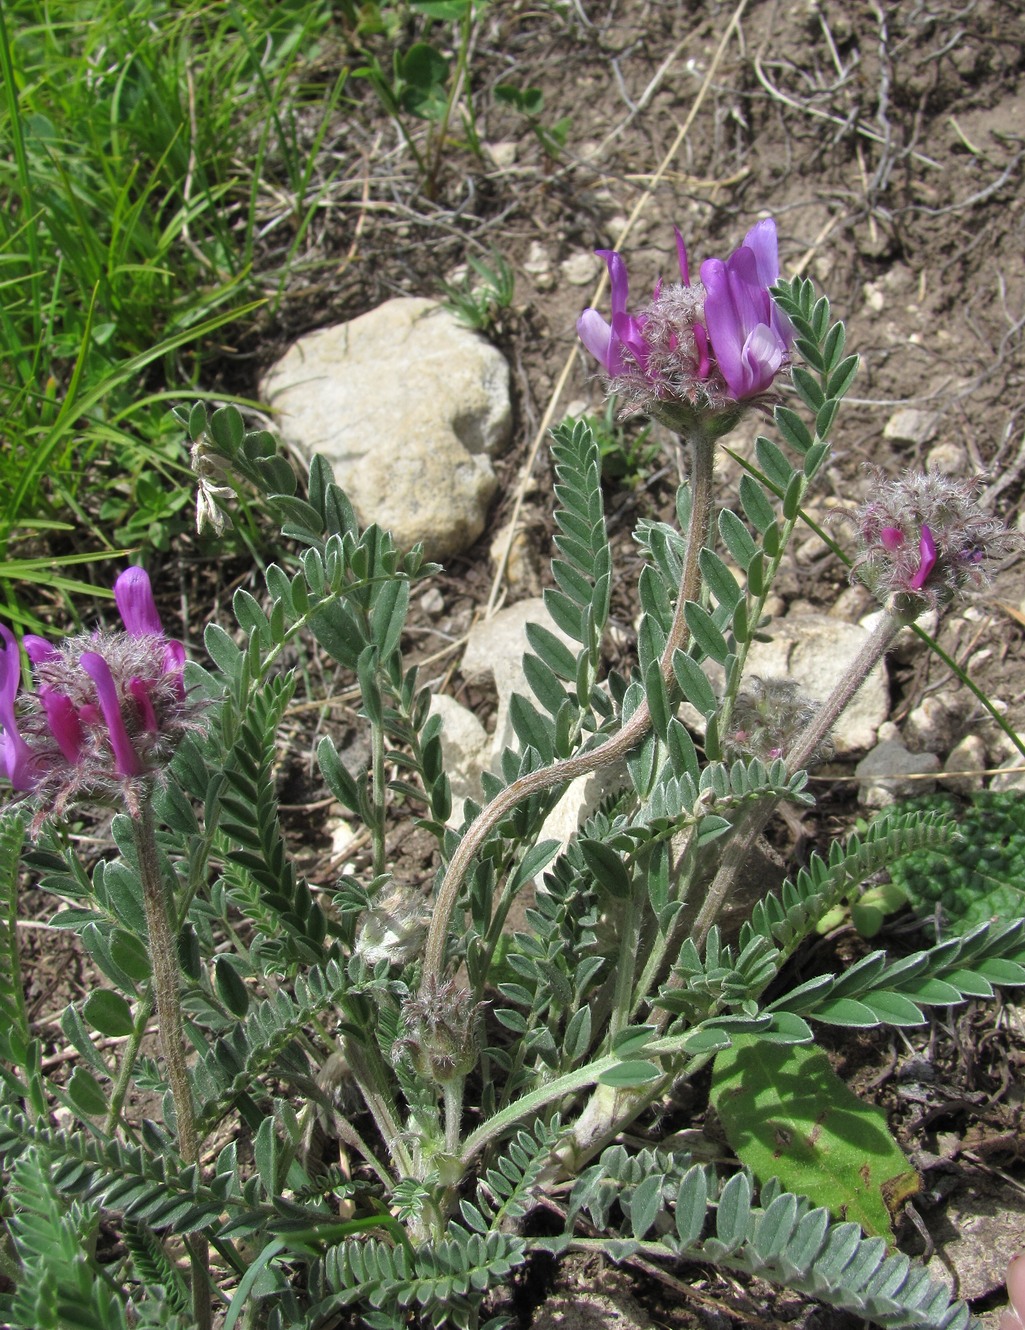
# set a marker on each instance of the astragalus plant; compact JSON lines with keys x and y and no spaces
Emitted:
{"x":458,"y":1067}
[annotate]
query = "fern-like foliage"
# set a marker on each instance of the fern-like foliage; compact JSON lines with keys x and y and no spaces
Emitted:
{"x":233,"y":1064}
{"x":506,"y":1191}
{"x":789,"y":917}
{"x":282,"y":903}
{"x":670,"y":1210}
{"x":60,"y":1285}
{"x":982,"y":875}
{"x":155,"y":1271}
{"x":445,"y":1281}
{"x":147,"y":1185}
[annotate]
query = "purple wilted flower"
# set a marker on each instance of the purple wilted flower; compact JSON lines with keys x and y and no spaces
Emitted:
{"x":924,"y":538}
{"x":697,"y":349}
{"x":108,"y":709}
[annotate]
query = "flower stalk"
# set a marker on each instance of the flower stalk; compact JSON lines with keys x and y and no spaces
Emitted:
{"x":701,"y":446}
{"x":163,"y":950}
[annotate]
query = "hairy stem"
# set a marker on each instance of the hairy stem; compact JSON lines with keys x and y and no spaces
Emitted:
{"x":131,"y":1052}
{"x":378,"y":794}
{"x":748,"y":828}
{"x":596,"y":759}
{"x":163,"y":950}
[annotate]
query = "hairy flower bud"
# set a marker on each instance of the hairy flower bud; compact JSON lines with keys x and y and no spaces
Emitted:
{"x":393,"y":929}
{"x":108,"y":710}
{"x":768,"y":717}
{"x":441,"y":1032}
{"x":699,"y":351}
{"x":923,"y":539}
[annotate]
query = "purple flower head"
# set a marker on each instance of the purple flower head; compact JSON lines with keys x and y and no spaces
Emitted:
{"x":107,"y":711}
{"x":695,"y":349}
{"x":923,"y":539}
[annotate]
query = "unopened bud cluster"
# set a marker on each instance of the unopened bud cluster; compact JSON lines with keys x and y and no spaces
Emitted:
{"x":923,"y":539}
{"x":768,"y":717}
{"x":441,"y":1034}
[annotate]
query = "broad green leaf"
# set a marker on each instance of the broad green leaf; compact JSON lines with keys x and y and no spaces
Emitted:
{"x":607,"y":867}
{"x":694,"y":683}
{"x":633,"y":1038}
{"x":788,"y":1115}
{"x":629,"y":1074}
{"x":108,"y":1012}
{"x":706,"y":635}
{"x":85,"y":1094}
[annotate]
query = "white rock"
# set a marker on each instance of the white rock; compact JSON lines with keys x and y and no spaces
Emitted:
{"x":465,"y":748}
{"x":907,"y":644}
{"x":409,"y":407}
{"x":886,"y":774}
{"x":948,"y":459}
{"x":909,"y":425}
{"x":874,"y":296}
{"x":930,"y":727}
{"x":580,"y":269}
{"x":538,"y":265}
{"x":432,"y":602}
{"x":962,"y":771}
{"x":815,"y":651}
{"x":502,"y":154}
{"x":496,"y":647}
{"x":581,"y":799}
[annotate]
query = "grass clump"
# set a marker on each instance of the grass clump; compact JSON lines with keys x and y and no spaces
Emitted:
{"x":138,"y":138}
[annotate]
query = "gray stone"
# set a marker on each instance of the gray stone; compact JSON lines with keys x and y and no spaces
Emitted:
{"x":948,"y":459}
{"x":465,"y":748}
{"x":907,"y":644}
{"x":580,"y":269}
{"x":962,"y":771}
{"x":815,"y":651}
{"x":496,"y":647}
{"x":930,"y":727}
{"x":890,"y":773}
{"x":909,"y":425}
{"x":409,"y":407}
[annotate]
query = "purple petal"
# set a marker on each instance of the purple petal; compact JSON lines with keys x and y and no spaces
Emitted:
{"x":38,"y":648}
{"x":738,"y":313}
{"x":762,"y":356}
{"x":64,"y":723}
{"x":174,"y":656}
{"x":761,"y":241}
{"x":126,"y":758}
{"x":891,"y":538}
{"x":139,"y":690}
{"x":681,"y":254}
{"x":927,"y":553}
{"x":134,"y":597}
{"x":596,"y":336}
{"x":629,"y":332}
{"x":619,"y":282}
{"x":16,"y":753}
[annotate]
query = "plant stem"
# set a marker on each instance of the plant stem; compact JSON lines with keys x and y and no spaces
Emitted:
{"x":365,"y":1062}
{"x":453,"y":1096}
{"x":747,"y":829}
{"x":131,"y":1052}
{"x":702,"y":452}
{"x":163,"y":951}
{"x":378,"y":795}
